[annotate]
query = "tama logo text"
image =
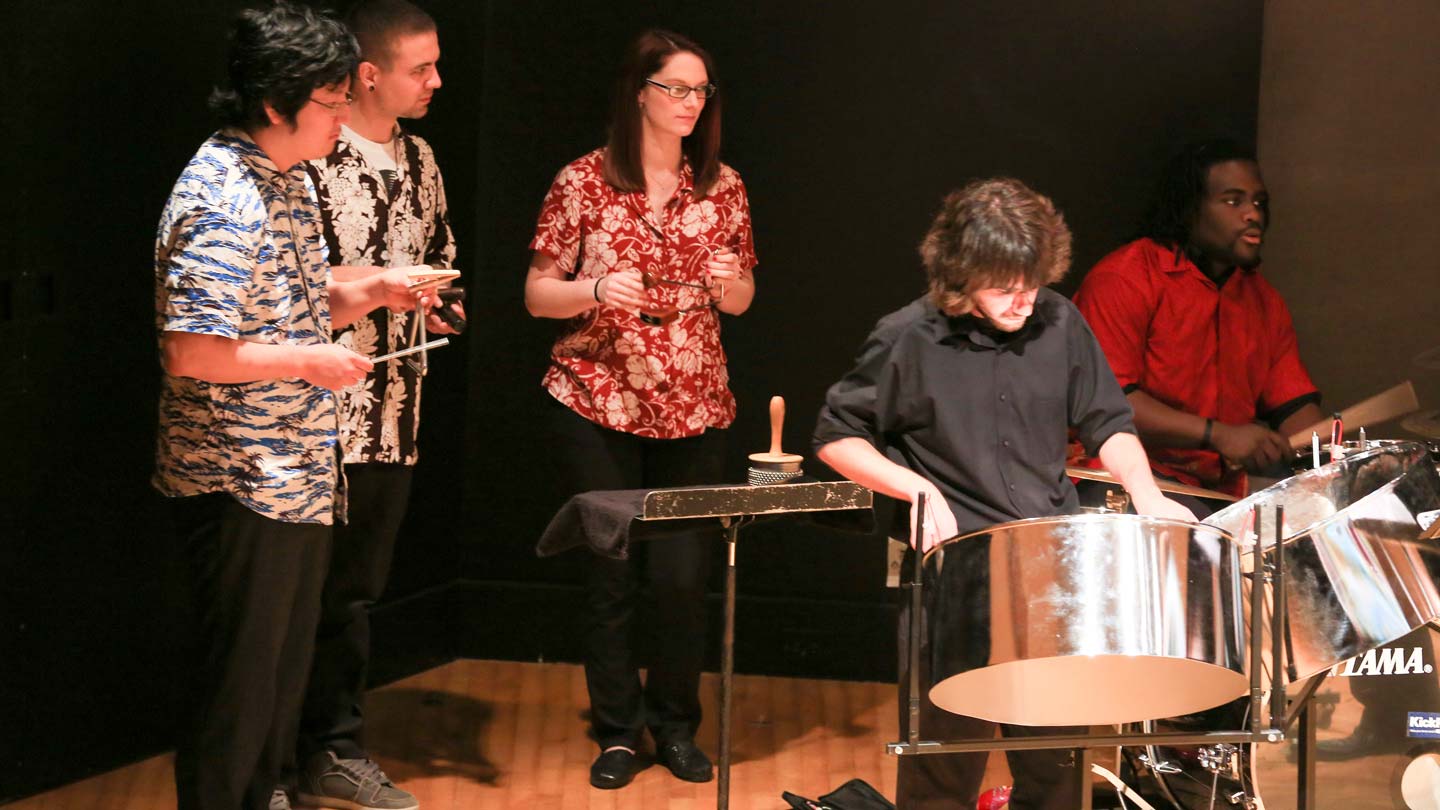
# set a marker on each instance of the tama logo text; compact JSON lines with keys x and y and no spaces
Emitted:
{"x":1385,"y":661}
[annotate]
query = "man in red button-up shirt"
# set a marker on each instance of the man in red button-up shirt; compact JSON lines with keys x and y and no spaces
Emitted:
{"x":1201,"y":343}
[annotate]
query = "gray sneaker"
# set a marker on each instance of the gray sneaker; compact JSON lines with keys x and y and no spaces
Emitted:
{"x":279,"y":800}
{"x":350,"y":784}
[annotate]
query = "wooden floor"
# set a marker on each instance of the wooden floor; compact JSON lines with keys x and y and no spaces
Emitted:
{"x":497,"y":734}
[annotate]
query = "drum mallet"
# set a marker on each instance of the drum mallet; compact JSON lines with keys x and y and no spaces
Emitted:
{"x":774,"y":467}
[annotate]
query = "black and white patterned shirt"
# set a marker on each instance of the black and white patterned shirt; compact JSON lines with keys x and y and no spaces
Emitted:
{"x":371,"y":219}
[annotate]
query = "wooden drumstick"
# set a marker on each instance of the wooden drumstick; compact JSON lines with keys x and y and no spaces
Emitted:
{"x":425,"y":277}
{"x":1172,"y":487}
{"x":1384,"y":406}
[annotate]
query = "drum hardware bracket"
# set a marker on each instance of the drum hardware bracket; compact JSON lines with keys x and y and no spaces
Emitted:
{"x":916,"y":606}
{"x":1219,"y":757}
{"x":1117,"y":501}
{"x":1160,"y":765}
{"x":1278,"y":616}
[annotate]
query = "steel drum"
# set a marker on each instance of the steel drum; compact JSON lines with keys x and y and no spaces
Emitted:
{"x":1357,"y":576}
{"x":1085,"y":620}
{"x":1304,"y":460}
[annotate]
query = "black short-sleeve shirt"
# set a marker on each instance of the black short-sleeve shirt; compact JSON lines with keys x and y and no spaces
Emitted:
{"x":983,"y":415}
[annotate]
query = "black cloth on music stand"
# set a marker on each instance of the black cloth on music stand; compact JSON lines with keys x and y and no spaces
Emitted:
{"x":608,"y":520}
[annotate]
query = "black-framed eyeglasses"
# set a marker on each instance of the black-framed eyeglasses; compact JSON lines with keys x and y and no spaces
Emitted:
{"x":335,"y":107}
{"x":704,"y":91}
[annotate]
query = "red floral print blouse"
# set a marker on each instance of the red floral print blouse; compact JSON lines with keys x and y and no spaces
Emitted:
{"x":665,"y":381}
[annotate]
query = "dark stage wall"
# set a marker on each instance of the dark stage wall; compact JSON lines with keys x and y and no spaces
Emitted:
{"x":1347,"y":137}
{"x":848,"y":124}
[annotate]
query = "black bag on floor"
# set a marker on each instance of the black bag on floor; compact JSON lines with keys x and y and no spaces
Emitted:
{"x":853,"y":795}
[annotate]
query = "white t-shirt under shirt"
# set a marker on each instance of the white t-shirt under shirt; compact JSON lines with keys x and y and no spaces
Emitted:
{"x":379,"y":155}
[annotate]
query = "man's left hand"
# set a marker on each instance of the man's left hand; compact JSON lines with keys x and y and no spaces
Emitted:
{"x":393,"y":289}
{"x":435,"y":325}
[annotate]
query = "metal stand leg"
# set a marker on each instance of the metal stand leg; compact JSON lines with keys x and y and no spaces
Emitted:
{"x":1305,"y":772}
{"x":727,"y":663}
{"x":1086,"y":758}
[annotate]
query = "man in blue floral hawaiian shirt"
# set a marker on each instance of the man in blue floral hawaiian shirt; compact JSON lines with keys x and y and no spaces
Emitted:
{"x":247,"y":435}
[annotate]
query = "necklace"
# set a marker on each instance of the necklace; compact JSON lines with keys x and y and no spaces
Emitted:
{"x":659,"y":192}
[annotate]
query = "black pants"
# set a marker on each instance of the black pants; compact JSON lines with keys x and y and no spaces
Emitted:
{"x":359,"y":567}
{"x":256,"y":598}
{"x":1046,"y":779}
{"x":589,"y":457}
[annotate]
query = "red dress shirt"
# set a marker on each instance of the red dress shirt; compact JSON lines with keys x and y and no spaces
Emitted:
{"x":1227,"y":353}
{"x":667,"y":381}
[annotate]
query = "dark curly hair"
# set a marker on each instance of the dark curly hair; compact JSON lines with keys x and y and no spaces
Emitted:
{"x":1182,"y":187}
{"x":280,"y":56}
{"x":992,"y":233}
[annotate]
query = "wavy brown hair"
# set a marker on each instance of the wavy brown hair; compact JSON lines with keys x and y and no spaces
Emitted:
{"x":993,"y":233}
{"x":646,"y":55}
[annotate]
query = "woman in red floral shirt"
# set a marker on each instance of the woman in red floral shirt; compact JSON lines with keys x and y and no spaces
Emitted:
{"x":640,"y":246}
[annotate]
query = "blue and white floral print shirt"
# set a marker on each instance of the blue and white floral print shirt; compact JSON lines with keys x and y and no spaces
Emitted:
{"x":239,"y":255}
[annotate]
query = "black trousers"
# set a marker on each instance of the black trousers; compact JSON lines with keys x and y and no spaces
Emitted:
{"x":589,"y":457}
{"x":1047,"y":779}
{"x":359,"y":567}
{"x":256,"y":599}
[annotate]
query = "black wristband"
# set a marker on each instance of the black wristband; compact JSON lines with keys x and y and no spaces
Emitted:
{"x":596,"y":292}
{"x":1205,"y":437}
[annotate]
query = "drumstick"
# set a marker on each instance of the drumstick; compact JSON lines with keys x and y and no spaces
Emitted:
{"x":1384,"y":406}
{"x":434,"y":344}
{"x":1164,"y":486}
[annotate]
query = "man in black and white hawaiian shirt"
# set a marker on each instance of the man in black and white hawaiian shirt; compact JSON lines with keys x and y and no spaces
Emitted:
{"x":248,"y":436}
{"x":383,"y":203}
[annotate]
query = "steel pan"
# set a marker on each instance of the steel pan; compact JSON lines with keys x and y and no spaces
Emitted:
{"x":1085,"y":620}
{"x":1357,"y":575}
{"x":1304,"y":460}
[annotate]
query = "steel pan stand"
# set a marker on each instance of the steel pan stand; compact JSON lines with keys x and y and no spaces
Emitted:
{"x":734,"y":507}
{"x":1260,"y":731}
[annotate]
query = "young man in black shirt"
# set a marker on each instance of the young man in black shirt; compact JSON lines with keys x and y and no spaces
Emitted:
{"x":967,"y":395}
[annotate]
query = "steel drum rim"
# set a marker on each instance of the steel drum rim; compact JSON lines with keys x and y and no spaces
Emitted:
{"x":1112,"y":518}
{"x":1396,"y":447}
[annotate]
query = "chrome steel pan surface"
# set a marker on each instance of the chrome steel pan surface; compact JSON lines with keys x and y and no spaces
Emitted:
{"x":1084,"y":620}
{"x":1358,"y":574}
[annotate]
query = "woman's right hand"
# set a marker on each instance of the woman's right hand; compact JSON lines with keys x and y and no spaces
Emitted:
{"x":622,"y":290}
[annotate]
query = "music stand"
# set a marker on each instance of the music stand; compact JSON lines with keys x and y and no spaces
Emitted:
{"x":736,"y":506}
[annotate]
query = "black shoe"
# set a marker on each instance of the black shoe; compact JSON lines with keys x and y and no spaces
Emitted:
{"x":687,"y":761}
{"x":613,"y":769}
